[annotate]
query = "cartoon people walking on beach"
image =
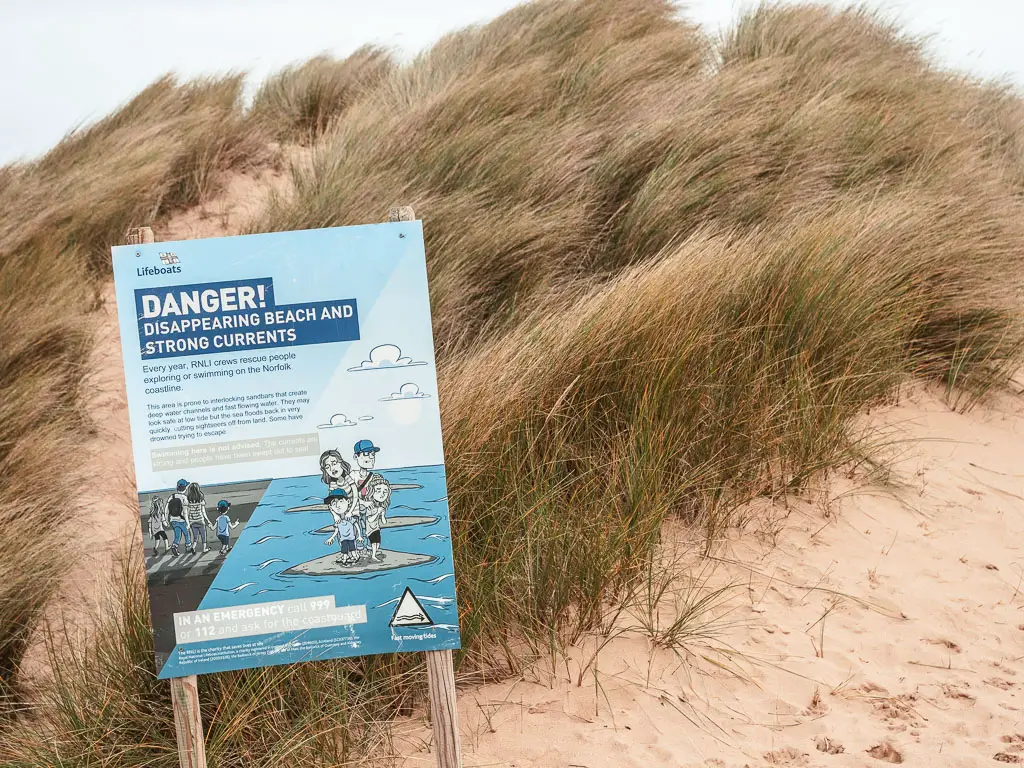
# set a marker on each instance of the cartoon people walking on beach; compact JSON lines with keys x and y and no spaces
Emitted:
{"x":158,"y":524}
{"x":184,"y":512}
{"x":176,"y":516}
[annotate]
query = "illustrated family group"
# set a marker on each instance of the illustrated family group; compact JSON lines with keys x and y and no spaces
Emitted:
{"x":184,"y":512}
{"x":357,"y":498}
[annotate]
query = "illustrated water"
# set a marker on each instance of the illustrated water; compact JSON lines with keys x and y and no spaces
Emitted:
{"x":275,"y":539}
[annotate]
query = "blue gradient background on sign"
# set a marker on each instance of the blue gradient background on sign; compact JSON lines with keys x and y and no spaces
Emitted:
{"x":381,"y":266}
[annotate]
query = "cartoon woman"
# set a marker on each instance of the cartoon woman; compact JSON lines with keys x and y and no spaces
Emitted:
{"x":378,"y":499}
{"x":335,"y":472}
{"x":195,"y":513}
{"x":158,"y":524}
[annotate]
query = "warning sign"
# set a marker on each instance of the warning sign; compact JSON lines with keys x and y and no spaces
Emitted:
{"x":286,"y":433}
{"x":410,"y":612}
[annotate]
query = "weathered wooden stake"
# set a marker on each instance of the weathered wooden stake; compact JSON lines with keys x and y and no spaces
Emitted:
{"x":188,"y":720}
{"x":444,"y":714}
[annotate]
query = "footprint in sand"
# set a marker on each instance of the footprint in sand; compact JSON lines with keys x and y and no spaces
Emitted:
{"x":786,"y":756}
{"x":829,"y":746}
{"x":1004,"y":669}
{"x":1014,"y":742}
{"x":870,"y":687}
{"x":948,"y":644}
{"x":958,"y":694}
{"x":998,"y":682}
{"x":886,"y":752}
{"x":817,"y":707}
{"x":899,"y":711}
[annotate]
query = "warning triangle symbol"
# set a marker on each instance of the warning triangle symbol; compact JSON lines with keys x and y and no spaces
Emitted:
{"x":410,"y":612}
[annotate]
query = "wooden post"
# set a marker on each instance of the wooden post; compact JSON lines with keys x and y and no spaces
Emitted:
{"x":188,"y":720}
{"x":444,"y":714}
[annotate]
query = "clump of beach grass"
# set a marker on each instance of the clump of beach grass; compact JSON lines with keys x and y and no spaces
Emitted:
{"x":299,"y":103}
{"x":321,"y":714}
{"x":657,"y":291}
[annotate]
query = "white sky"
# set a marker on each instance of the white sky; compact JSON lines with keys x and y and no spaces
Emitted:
{"x":66,"y":62}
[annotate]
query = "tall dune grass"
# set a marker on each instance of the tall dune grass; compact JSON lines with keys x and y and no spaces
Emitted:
{"x":665,"y":277}
{"x":299,"y":103}
{"x":666,"y":274}
{"x":160,"y":152}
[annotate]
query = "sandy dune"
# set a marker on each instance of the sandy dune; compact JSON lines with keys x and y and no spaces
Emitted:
{"x":857,"y":625}
{"x":238,"y":202}
{"x":866,"y":624}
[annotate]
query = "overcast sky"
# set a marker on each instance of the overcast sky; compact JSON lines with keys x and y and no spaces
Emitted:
{"x":66,"y":62}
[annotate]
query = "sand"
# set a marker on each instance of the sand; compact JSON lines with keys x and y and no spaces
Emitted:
{"x":241,"y":198}
{"x":865,"y":624}
{"x":859,"y":624}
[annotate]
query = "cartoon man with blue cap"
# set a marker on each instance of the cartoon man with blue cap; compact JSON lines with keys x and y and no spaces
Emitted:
{"x":365,"y":454}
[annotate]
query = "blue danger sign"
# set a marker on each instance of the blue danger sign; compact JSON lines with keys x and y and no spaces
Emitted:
{"x":287,"y":444}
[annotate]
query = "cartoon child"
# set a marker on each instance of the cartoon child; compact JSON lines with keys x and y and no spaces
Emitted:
{"x":176,"y":517}
{"x":158,"y":524}
{"x":195,"y":513}
{"x":346,"y":531}
{"x":335,"y":472}
{"x":376,"y":507}
{"x":224,"y":526}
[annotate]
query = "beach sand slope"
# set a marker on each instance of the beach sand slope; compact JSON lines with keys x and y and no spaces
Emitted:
{"x":864,"y":623}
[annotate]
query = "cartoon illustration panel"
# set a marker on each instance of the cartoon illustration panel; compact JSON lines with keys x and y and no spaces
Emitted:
{"x":287,"y":437}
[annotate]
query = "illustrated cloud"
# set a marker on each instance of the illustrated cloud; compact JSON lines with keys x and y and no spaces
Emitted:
{"x":338,"y":420}
{"x":386,"y":356}
{"x":407,"y":391}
